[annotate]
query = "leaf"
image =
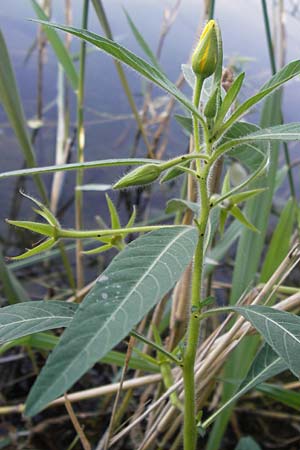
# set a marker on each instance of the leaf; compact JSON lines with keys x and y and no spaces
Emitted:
{"x":242,"y":196}
{"x":247,"y":443}
{"x":125,"y":56}
{"x":141,"y":41}
{"x":189,"y":75}
{"x":62,"y":54}
{"x":178,"y":204}
{"x":280,"y":329}
{"x":280,"y":242}
{"x":229,"y":98}
{"x":237,"y":213}
{"x":133,"y":283}
{"x":286,"y":132}
{"x":282,"y":76}
{"x":267,"y":364}
{"x":76,"y":166}
{"x":280,"y":394}
{"x":114,"y":216}
{"x":30,"y":317}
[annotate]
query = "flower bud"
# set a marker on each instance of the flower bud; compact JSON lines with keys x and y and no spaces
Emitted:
{"x":205,"y":57}
{"x":210,"y":109}
{"x":140,"y":176}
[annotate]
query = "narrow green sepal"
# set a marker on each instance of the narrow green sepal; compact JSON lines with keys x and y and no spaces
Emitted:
{"x":242,"y":196}
{"x":36,"y":227}
{"x":36,"y":250}
{"x":210,"y":109}
{"x":222,"y":219}
{"x":45,"y":212}
{"x":101,"y":249}
{"x":132,"y":218}
{"x":237,"y":213}
{"x":114,"y":216}
{"x":226,"y":183}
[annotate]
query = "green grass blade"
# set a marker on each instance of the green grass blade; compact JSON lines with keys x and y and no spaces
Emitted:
{"x":131,"y":285}
{"x":62,"y":54}
{"x":280,"y":242}
{"x":141,"y":41}
{"x":278,"y":393}
{"x":11,"y":102}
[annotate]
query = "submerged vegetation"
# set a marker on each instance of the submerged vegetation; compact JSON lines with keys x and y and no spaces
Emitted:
{"x":187,"y":361}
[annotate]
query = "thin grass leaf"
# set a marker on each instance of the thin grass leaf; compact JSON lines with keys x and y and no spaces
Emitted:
{"x":62,"y":54}
{"x":280,"y":242}
{"x":11,"y":102}
{"x":280,"y":394}
{"x":142,"y":43}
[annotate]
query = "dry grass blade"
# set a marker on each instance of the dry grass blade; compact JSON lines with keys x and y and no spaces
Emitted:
{"x":83,"y":439}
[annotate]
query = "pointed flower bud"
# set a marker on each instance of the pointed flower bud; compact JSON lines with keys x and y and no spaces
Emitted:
{"x":205,"y":57}
{"x":140,"y":176}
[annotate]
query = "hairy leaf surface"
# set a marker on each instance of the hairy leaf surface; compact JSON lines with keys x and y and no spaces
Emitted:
{"x":132,"y":284}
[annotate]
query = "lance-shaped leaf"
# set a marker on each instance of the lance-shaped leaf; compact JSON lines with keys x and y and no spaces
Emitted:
{"x":282,"y":76}
{"x":229,"y":98}
{"x":280,"y":329}
{"x":267,"y":364}
{"x":31,"y":317}
{"x":59,"y":49}
{"x":132,"y":284}
{"x":125,"y":56}
{"x":240,"y":216}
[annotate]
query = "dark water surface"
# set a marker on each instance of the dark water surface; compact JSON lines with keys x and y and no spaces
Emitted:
{"x":109,"y":131}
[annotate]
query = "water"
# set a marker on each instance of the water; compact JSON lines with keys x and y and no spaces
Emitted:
{"x":243,"y":34}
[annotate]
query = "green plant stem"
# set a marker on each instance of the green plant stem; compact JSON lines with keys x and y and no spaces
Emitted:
{"x":190,"y":430}
{"x":80,"y":148}
{"x":84,"y":234}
